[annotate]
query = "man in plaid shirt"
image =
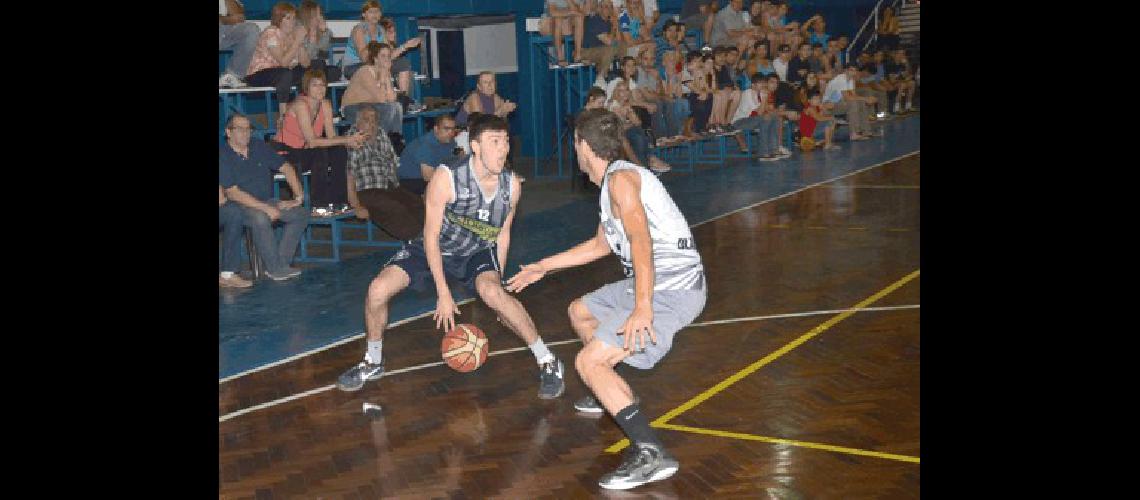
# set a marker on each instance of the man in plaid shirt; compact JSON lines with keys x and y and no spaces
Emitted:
{"x":374,"y":190}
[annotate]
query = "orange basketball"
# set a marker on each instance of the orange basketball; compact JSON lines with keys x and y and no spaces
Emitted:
{"x":464,"y":348}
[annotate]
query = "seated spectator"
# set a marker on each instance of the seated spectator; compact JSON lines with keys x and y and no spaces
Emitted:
{"x":310,"y":143}
{"x":633,"y":30}
{"x":889,"y":30}
{"x":757,"y":111}
{"x":834,"y":56}
{"x":375,"y":192}
{"x":401,"y":67}
{"x":872,"y":82}
{"x":787,"y":105}
{"x":781,"y":62}
{"x":276,"y":59}
{"x":484,"y":100}
{"x":730,"y":28}
{"x":245,"y":171}
{"x":726,"y":97}
{"x":814,"y":31}
{"x":697,"y":87}
{"x":800,"y":66}
{"x":817,"y":62}
{"x":239,"y":35}
{"x":759,"y":61}
{"x":816,"y":123}
{"x":599,"y":37}
{"x":317,"y":40}
{"x":842,"y":46}
{"x":840,"y":92}
{"x":561,"y":18}
{"x":230,"y":218}
{"x":700,"y":14}
{"x":375,"y":88}
{"x":811,"y":83}
{"x":671,"y":110}
{"x":371,"y":29}
{"x":638,"y":141}
{"x":426,"y":152}
{"x":899,"y":72}
{"x":785,"y":32}
{"x":669,"y":56}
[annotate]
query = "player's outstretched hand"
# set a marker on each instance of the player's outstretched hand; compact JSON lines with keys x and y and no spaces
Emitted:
{"x":636,"y":328}
{"x":529,"y":274}
{"x":445,"y":311}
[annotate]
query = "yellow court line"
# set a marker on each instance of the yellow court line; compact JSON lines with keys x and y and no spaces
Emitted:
{"x":746,"y":371}
{"x":791,"y":442}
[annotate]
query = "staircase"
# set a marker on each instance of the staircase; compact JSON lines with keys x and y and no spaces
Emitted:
{"x":909,"y":32}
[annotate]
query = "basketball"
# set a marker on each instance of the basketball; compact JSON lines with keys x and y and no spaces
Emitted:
{"x":807,"y":144}
{"x":464,"y":348}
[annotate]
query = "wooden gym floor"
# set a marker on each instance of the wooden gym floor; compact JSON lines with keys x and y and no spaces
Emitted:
{"x":799,"y":380}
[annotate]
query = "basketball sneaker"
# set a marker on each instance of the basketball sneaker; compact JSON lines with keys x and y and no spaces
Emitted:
{"x":355,"y":377}
{"x":589,"y":404}
{"x":643,"y":463}
{"x":550,"y":380}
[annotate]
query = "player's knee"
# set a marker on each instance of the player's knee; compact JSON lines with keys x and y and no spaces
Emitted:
{"x":577,"y":311}
{"x":491,"y":292}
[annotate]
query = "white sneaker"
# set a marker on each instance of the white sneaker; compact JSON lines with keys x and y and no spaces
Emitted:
{"x":231,"y":80}
{"x":784,"y":151}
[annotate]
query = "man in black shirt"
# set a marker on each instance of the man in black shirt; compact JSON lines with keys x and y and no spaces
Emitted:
{"x":787,"y":105}
{"x":799,"y":66}
{"x":598,"y":36}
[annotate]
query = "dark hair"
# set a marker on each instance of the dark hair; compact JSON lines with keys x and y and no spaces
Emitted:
{"x":626,"y":59}
{"x":594,"y":93}
{"x":372,"y":50}
{"x":784,"y":47}
{"x":763,"y":42}
{"x":812,"y":93}
{"x":693,"y":55}
{"x":771,"y":76}
{"x":477,"y":123}
{"x":817,"y":45}
{"x":438,"y":118}
{"x":758,"y":78}
{"x":230,"y":120}
{"x":731,"y":49}
{"x":602,"y":130}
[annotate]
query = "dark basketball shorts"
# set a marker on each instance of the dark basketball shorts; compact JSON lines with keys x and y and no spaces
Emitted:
{"x":673,"y":310}
{"x":462,"y":268}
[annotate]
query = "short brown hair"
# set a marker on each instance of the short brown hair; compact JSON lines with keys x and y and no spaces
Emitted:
{"x":373,"y":51}
{"x":279,"y":11}
{"x":371,"y":4}
{"x":602,"y":130}
{"x":310,"y":75}
{"x":478,"y":123}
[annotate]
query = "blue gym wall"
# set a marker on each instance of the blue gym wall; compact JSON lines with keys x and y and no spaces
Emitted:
{"x":843,"y":17}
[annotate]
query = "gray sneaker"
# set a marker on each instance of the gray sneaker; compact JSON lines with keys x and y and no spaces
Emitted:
{"x":643,"y":463}
{"x":589,"y":404}
{"x":550,"y":383}
{"x":287,"y":273}
{"x":355,"y":377}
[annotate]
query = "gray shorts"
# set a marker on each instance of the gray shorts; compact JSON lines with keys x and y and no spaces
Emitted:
{"x":672,"y":310}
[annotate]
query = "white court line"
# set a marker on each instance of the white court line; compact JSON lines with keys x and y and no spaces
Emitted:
{"x":360,"y":335}
{"x":319,"y":390}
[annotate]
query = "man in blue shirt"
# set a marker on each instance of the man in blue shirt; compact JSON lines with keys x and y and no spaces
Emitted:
{"x":419,"y":159}
{"x":245,"y":172}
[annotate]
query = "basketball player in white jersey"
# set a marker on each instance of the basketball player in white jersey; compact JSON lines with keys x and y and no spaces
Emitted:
{"x":469,"y":208}
{"x":633,"y":320}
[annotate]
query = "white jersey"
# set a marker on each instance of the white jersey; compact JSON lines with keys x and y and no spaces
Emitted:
{"x":676,"y":263}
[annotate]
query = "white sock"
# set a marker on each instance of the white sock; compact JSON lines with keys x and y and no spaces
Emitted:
{"x":541,"y":353}
{"x":227,"y":274}
{"x":375,"y":351}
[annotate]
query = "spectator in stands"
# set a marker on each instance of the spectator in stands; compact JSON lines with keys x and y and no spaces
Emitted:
{"x":652,"y":17}
{"x":317,"y":40}
{"x":484,"y":100}
{"x":311,"y":144}
{"x":230,"y":218}
{"x":276,"y":59}
{"x":245,"y":170}
{"x":757,"y":111}
{"x":872,"y":82}
{"x":814,"y":31}
{"x":235,"y":33}
{"x":560,"y":18}
{"x":700,"y":14}
{"x":811,"y":83}
{"x":375,"y":191}
{"x":799,"y":66}
{"x":842,"y":46}
{"x":780,"y":64}
{"x":834,"y":56}
{"x":370,"y":30}
{"x":899,"y":72}
{"x":426,"y":152}
{"x":816,"y":123}
{"x":889,"y":30}
{"x":375,"y":88}
{"x":787,"y":105}
{"x":785,"y":32}
{"x":759,"y":61}
{"x":840,"y":92}
{"x":633,"y":29}
{"x":599,"y":37}
{"x":401,"y":66}
{"x":726,"y":97}
{"x":698,"y":88}
{"x":730,"y":27}
{"x":668,"y":119}
{"x":638,"y":141}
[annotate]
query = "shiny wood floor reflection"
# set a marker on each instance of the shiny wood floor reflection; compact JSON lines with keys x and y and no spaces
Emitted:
{"x":485,"y":434}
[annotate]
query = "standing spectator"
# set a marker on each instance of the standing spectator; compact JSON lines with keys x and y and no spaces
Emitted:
{"x":783,"y":59}
{"x":374,"y":88}
{"x":245,"y":171}
{"x":317,"y":41}
{"x":311,"y":144}
{"x":889,"y":30}
{"x":426,"y":152}
{"x":276,"y":59}
{"x":234,"y":32}
{"x":230,"y":219}
{"x":599,"y":37}
{"x":484,"y":100}
{"x":560,"y":18}
{"x":840,"y":92}
{"x":700,"y":14}
{"x":757,"y":111}
{"x":375,"y":192}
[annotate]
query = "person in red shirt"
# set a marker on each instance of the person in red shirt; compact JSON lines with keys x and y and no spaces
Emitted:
{"x":817,"y":123}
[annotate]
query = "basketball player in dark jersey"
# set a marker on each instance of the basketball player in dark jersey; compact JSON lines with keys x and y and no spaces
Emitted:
{"x":633,"y":320}
{"x":467,"y":232}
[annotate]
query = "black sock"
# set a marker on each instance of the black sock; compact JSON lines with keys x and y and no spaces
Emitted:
{"x":633,"y":422}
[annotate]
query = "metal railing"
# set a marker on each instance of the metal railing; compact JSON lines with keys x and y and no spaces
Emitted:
{"x":872,"y":17}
